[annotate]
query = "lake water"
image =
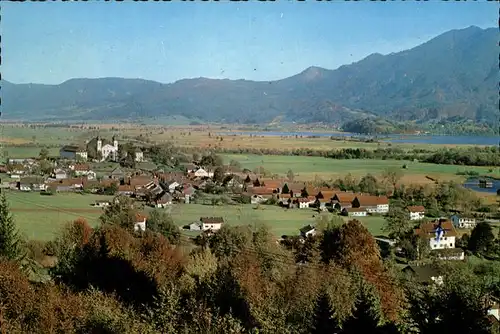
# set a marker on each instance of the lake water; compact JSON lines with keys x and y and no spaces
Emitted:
{"x":473,"y":184}
{"x":412,"y":139}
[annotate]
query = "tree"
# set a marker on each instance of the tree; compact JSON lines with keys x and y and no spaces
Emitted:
{"x":481,"y":238}
{"x":457,"y":306}
{"x":248,"y":179}
{"x":256,"y":183}
{"x":218,"y":174}
{"x":44,"y":154}
{"x":290,"y":175}
{"x":397,"y":222}
{"x":324,"y":322}
{"x":392,"y":176}
{"x":285,"y":189}
{"x":304,"y":193}
{"x":161,"y":222}
{"x":368,"y":184}
{"x":10,"y":241}
{"x":121,"y":212}
{"x":366,"y":316}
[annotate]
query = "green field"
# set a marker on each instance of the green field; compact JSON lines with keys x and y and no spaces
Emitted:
{"x":26,"y":151}
{"x":308,"y":167}
{"x":281,"y":221}
{"x":41,"y":217}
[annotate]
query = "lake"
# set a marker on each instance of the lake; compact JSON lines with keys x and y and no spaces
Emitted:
{"x":473,"y":184}
{"x":412,"y":139}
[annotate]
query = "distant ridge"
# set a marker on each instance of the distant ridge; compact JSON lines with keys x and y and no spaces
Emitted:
{"x":452,"y":75}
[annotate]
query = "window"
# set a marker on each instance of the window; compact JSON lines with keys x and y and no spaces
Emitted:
{"x":451,"y":245}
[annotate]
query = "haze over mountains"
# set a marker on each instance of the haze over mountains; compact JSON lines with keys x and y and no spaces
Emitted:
{"x":454,"y":75}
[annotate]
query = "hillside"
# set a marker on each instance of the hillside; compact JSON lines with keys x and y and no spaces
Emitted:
{"x":454,"y":75}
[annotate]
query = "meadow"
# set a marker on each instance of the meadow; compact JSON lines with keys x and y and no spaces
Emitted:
{"x":42,"y":217}
{"x":308,"y":168}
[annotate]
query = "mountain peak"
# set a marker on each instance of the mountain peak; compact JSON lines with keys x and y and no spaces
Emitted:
{"x":313,"y":72}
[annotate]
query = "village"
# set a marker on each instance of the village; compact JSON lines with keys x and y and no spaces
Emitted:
{"x":80,"y":169}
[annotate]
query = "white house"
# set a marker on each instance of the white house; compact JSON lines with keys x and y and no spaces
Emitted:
{"x":139,"y":155}
{"x":372,"y":204}
{"x":172,"y":185}
{"x":463,"y":222}
{"x":416,"y":212}
{"x":200,"y":172}
{"x":257,"y":199}
{"x":441,"y":237}
{"x":140,"y":222}
{"x":305,"y":202}
{"x":307,"y":231}
{"x":60,"y":174}
{"x":355,"y":212}
{"x":211,"y":223}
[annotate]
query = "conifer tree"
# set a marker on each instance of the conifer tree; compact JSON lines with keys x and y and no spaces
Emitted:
{"x":10,"y":241}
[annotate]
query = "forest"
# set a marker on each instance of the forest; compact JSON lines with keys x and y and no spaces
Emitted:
{"x":111,"y":279}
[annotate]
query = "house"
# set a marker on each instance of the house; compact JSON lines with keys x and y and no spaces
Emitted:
{"x":257,"y":199}
{"x":140,"y":222}
{"x":262,"y":191}
{"x":73,"y":152}
{"x":372,"y":204}
{"x":190,"y":168}
{"x":494,"y":308}
{"x":211,"y":223}
{"x":101,"y":149}
{"x":343,"y":200}
{"x":193,"y":227}
{"x":200,"y":172}
{"x":83,"y":170}
{"x":171,"y":186}
{"x":102,"y":204}
{"x":441,"y":236}
{"x":354,"y":212}
{"x":139,"y":155}
{"x":60,"y":174}
{"x":117,"y":174}
{"x":307,"y":231}
{"x":326,"y":194}
{"x":164,"y":201}
{"x":424,"y":274}
{"x":305,"y":202}
{"x":463,"y":222}
{"x":32,"y":184}
{"x":322,"y":203}
{"x":125,"y":190}
{"x":416,"y":212}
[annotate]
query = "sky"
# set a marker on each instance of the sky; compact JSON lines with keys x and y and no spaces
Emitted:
{"x":51,"y":42}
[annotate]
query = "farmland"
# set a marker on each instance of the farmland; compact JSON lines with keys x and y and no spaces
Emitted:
{"x":41,"y":217}
{"x":307,"y":168}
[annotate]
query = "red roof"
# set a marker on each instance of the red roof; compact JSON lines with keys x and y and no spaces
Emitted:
{"x":372,"y":200}
{"x":81,"y":167}
{"x":428,"y":230}
{"x":418,"y":208}
{"x":139,"y":217}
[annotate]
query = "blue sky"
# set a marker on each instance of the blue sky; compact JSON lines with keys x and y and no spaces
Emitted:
{"x":52,"y":42}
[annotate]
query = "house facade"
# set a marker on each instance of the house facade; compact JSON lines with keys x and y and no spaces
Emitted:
{"x":307,"y":231}
{"x":354,"y":212}
{"x":372,"y":204}
{"x":443,"y":244}
{"x":463,"y":222}
{"x":211,"y":223}
{"x":140,"y":222}
{"x":416,"y":212}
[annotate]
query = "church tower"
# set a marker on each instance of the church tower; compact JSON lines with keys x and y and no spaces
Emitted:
{"x":115,"y":142}
{"x":99,"y":144}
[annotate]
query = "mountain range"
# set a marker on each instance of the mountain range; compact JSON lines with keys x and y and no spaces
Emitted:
{"x":454,"y":75}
